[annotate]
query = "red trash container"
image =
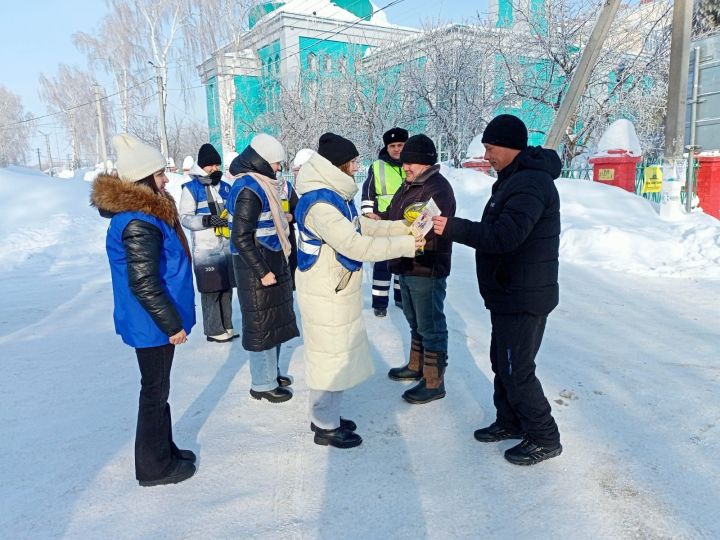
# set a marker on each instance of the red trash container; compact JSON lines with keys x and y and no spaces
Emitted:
{"x":617,"y":168}
{"x":708,"y":184}
{"x":479,"y":164}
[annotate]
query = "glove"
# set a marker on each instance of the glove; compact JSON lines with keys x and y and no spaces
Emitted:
{"x":214,"y":221}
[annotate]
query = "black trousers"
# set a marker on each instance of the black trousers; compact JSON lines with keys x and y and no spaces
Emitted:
{"x":519,"y":398}
{"x":155,"y":451}
{"x":382,"y":282}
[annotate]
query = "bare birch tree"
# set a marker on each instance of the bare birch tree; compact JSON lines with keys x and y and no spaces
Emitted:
{"x":15,"y":129}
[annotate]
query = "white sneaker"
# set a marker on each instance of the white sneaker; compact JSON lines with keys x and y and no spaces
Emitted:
{"x":220,"y":338}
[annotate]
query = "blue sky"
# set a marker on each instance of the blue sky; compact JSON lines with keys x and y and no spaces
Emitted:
{"x":37,"y":36}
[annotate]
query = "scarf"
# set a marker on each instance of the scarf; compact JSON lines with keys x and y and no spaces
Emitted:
{"x":271,"y":188}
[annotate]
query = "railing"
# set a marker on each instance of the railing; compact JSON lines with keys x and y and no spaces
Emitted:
{"x":586,"y":173}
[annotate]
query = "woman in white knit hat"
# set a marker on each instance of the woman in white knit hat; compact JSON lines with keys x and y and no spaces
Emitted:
{"x":153,"y":292}
{"x":261,"y":248}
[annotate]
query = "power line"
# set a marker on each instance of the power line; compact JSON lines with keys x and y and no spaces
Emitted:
{"x":74,"y":107}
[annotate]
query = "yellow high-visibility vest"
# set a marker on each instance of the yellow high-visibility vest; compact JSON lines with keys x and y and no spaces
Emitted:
{"x":387,"y":181}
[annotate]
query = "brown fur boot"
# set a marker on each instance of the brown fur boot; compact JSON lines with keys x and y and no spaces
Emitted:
{"x":413,"y":370}
{"x":432,"y":386}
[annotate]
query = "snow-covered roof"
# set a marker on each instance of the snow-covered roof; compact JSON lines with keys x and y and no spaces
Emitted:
{"x":327,"y":9}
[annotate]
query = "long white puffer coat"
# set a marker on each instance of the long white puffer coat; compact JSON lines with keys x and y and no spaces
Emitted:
{"x":336,"y":352}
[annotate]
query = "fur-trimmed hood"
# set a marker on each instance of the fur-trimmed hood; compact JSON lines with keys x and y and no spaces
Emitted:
{"x":111,"y":196}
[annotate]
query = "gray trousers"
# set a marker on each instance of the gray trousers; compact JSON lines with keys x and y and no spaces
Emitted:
{"x":217,"y":312}
{"x":325,"y":408}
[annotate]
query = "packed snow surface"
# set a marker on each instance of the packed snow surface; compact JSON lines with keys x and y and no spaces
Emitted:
{"x":620,"y":135}
{"x":629,"y":363}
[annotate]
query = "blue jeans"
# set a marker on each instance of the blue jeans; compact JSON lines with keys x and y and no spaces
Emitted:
{"x":264,"y":369}
{"x":423,"y":299}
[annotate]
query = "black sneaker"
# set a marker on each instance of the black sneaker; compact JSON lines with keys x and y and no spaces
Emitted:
{"x":529,"y":453}
{"x":278,"y":395}
{"x":344,"y":423}
{"x":496,"y":432}
{"x":284,"y":380}
{"x":339,"y":438}
{"x":183,"y":470}
{"x":380,"y":312}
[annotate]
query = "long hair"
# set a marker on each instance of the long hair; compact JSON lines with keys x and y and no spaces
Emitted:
{"x":345,"y":167}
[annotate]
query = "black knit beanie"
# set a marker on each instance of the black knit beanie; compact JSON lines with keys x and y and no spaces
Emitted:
{"x":394,"y":135}
{"x":336,"y":149}
{"x":419,"y":149}
{"x":507,"y":131}
{"x":207,"y":155}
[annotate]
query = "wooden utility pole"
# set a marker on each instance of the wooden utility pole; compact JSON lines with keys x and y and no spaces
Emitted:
{"x":161,"y":97}
{"x":678,"y":80}
{"x":582,"y":74}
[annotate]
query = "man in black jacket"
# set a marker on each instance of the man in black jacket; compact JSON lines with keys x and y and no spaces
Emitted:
{"x":517,"y":243}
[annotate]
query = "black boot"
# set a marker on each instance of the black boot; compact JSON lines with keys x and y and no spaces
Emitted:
{"x":344,"y":423}
{"x":529,"y":453}
{"x":380,"y":312}
{"x":338,"y":437}
{"x":277,"y":395}
{"x":183,"y":470}
{"x":496,"y":432}
{"x":432,"y":386}
{"x":412,"y":371}
{"x":284,"y":380}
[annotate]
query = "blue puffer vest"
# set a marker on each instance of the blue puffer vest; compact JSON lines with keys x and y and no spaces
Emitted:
{"x":266,"y":233}
{"x":309,"y":244}
{"x":199,"y":193}
{"x":132,"y":322}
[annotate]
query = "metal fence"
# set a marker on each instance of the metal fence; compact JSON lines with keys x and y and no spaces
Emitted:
{"x":586,"y":173}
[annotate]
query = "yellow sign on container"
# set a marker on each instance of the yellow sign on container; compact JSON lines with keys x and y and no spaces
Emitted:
{"x":606,"y":175}
{"x":653,"y":178}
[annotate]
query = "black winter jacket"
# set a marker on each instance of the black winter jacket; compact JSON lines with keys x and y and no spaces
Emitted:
{"x":517,"y":242}
{"x":268,"y":317}
{"x":435,"y":260}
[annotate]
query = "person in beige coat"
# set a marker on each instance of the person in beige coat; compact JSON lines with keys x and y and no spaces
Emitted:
{"x":333,"y":243}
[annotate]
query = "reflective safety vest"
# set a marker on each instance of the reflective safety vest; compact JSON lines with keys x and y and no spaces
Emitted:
{"x":265,"y":233}
{"x":388,"y":180}
{"x":309,"y":244}
{"x":199,"y":193}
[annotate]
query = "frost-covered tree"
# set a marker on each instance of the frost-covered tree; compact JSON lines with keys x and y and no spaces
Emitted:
{"x":538,"y":56}
{"x":70,"y":93}
{"x":15,"y":128}
{"x":706,"y":19}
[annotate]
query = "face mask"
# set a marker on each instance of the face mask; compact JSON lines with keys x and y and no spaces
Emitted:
{"x":216,"y":177}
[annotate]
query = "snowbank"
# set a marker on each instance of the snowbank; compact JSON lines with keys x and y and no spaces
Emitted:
{"x":608,"y":228}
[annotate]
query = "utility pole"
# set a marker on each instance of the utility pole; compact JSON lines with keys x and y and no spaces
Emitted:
{"x":47,"y":144}
{"x":39,"y":163}
{"x":161,"y":96}
{"x":692,"y":147}
{"x":101,"y":126}
{"x":582,"y":73}
{"x":678,"y":80}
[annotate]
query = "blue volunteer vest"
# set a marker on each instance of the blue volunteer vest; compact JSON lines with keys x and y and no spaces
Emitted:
{"x":132,"y":322}
{"x":266,"y":234}
{"x":199,"y":193}
{"x":309,"y":244}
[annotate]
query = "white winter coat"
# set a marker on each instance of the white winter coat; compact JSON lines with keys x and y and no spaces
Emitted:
{"x":336,"y":352}
{"x":204,"y":240}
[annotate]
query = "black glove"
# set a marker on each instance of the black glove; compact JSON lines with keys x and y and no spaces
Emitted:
{"x":214,"y":221}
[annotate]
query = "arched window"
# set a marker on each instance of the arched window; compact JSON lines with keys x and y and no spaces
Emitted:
{"x":327,"y":63}
{"x":277,"y":64}
{"x":312,"y":61}
{"x":342,"y":63}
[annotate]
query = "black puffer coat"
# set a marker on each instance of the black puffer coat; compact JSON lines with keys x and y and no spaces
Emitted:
{"x":517,"y":242}
{"x":436,"y":257}
{"x":268,"y":318}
